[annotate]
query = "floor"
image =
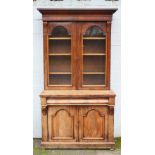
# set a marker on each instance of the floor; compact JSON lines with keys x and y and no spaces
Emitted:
{"x":38,"y":151}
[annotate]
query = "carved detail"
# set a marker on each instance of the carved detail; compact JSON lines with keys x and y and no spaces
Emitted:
{"x":44,"y":110}
{"x":112,"y":101}
{"x":63,"y":110}
{"x":93,"y":110}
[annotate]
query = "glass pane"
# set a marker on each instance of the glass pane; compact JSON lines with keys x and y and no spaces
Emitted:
{"x":93,"y":79}
{"x":59,"y":46}
{"x":94,"y":64}
{"x":59,"y":79}
{"x":94,"y":31}
{"x":60,"y":64}
{"x":59,"y":57}
{"x":94,"y":46}
{"x":59,"y":31}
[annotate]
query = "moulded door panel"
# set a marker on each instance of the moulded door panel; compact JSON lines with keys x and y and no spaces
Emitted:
{"x":62,"y":123}
{"x":93,"y":123}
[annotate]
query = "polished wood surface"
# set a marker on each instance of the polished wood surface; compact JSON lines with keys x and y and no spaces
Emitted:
{"x":93,"y":123}
{"x":77,"y":103}
{"x":77,"y":145}
{"x":62,"y":123}
{"x":76,"y":14}
{"x":76,"y":53}
{"x":77,"y":93}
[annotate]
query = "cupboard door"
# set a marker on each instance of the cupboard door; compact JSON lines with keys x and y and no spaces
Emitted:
{"x":93,"y":55}
{"x":93,"y":123}
{"x":60,"y":55}
{"x":62,"y":123}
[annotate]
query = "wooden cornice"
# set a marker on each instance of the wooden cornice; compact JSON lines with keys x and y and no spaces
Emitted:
{"x":77,"y":14}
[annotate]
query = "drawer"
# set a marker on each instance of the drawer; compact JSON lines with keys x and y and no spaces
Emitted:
{"x":81,"y":102}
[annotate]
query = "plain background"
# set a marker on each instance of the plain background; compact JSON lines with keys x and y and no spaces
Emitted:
{"x":38,"y":80}
{"x":137,"y":77}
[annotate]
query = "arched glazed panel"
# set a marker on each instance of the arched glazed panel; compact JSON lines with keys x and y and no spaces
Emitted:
{"x":60,"y":31}
{"x":94,"y":31}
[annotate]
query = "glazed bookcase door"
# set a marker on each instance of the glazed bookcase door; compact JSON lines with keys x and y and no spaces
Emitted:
{"x":93,"y":123}
{"x":93,"y":53}
{"x":60,"y":55}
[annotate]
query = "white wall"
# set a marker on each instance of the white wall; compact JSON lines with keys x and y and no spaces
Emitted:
{"x":38,"y":55}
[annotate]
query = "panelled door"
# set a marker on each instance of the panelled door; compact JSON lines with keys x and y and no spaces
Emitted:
{"x":93,"y":123}
{"x":63,"y":123}
{"x":75,"y":123}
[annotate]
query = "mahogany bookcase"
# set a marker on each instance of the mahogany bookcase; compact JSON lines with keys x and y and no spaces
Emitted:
{"x":77,"y":103}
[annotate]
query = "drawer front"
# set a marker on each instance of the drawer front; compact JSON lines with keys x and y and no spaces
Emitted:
{"x":62,"y":123}
{"x":93,"y":123}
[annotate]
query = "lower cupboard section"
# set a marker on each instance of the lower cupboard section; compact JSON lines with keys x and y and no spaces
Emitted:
{"x":79,"y":125}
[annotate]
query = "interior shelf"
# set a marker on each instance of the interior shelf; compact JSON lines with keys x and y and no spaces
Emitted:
{"x":94,"y":38}
{"x":93,"y":72}
{"x":92,"y":54}
{"x":60,"y":73}
{"x":93,"y":85}
{"x":54,"y":85}
{"x":59,"y":54}
{"x":59,"y":38}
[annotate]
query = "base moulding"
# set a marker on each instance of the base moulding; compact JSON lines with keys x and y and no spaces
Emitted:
{"x":78,"y":145}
